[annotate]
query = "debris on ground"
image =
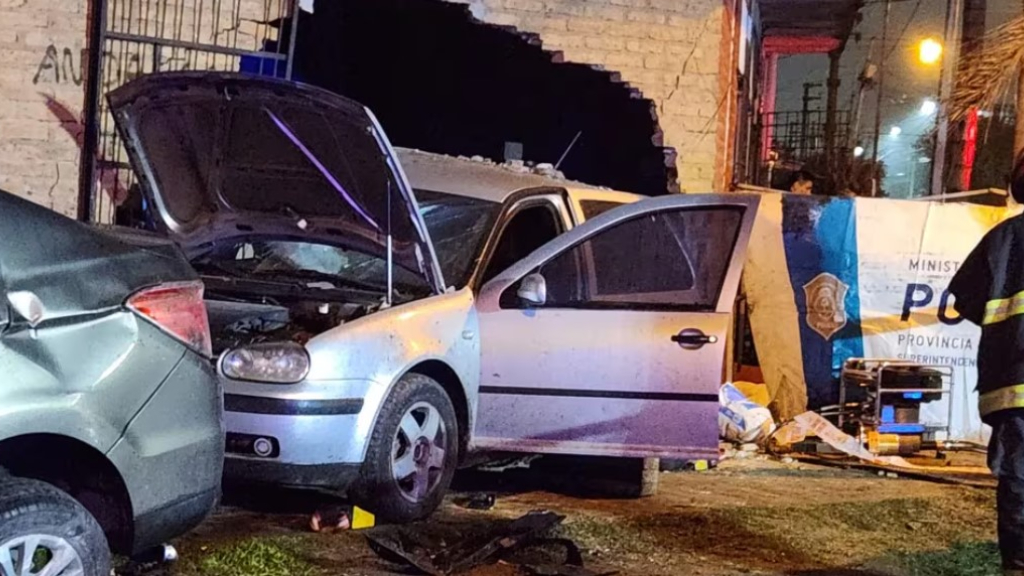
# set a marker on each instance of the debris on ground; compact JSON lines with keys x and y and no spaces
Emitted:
{"x":520,"y":542}
{"x":741,"y":420}
{"x":477,"y":501}
{"x":337,"y":518}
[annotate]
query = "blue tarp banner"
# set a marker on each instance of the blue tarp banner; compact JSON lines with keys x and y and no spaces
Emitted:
{"x":833,"y":278}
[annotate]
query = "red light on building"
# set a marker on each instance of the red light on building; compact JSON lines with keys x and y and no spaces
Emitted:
{"x":970,"y":148}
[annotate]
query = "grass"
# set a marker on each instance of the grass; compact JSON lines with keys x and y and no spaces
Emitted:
{"x":280,"y":556}
{"x":963,"y":559}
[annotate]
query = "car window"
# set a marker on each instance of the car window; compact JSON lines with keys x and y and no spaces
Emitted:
{"x":594,"y":208}
{"x":669,"y":260}
{"x":458,"y":227}
{"x":529,"y":229}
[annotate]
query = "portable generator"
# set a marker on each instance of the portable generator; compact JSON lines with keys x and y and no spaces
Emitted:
{"x":880,"y":403}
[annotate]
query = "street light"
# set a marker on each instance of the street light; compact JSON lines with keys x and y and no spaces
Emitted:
{"x":928,"y":107}
{"x":895,"y":131}
{"x":858,"y":151}
{"x":929,"y":51}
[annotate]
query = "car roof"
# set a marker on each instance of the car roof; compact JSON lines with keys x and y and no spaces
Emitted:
{"x":476,"y":177}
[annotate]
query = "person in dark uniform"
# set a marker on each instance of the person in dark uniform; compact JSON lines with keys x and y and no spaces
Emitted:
{"x":802,"y":182}
{"x":989,"y":291}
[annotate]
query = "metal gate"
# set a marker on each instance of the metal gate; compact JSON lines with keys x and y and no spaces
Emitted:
{"x":149,"y":36}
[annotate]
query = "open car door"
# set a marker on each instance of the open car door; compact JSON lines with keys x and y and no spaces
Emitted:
{"x":610,"y":340}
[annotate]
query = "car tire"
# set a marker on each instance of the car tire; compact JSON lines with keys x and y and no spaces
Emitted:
{"x":406,"y":472}
{"x":38,"y":515}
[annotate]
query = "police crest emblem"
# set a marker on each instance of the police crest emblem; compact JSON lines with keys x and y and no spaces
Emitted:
{"x":826,"y":304}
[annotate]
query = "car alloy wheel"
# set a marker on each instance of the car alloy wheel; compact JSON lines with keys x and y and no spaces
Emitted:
{"x":39,"y":555}
{"x":418,"y":451}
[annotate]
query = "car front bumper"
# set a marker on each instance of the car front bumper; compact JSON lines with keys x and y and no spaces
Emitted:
{"x":297,"y":440}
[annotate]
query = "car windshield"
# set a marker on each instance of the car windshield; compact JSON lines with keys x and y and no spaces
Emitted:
{"x":311,"y":264}
{"x":457,"y":227}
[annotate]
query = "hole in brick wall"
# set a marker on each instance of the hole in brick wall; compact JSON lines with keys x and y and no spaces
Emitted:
{"x":441,"y":81}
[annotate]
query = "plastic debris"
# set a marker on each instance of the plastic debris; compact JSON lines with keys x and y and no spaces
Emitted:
{"x":338,"y":518}
{"x":740,"y":420}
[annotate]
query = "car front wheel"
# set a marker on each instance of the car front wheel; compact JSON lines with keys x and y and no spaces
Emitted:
{"x":45,"y":532}
{"x":412,"y":454}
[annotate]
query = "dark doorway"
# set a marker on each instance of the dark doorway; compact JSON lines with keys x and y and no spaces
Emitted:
{"x":441,"y":81}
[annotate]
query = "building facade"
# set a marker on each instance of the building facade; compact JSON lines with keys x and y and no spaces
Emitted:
{"x":687,"y":57}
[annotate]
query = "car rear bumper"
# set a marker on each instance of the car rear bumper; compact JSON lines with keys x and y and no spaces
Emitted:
{"x":159,"y":525}
{"x":171,"y":456}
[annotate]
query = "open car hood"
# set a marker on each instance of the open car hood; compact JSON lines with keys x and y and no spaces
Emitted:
{"x":222,"y":155}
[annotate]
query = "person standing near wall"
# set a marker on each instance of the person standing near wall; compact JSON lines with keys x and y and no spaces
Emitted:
{"x":802,"y":183}
{"x":989,"y":292}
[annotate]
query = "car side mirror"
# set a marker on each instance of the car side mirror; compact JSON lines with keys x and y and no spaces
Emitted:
{"x":533,"y":290}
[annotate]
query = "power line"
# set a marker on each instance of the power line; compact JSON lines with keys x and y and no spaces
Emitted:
{"x":899,"y":39}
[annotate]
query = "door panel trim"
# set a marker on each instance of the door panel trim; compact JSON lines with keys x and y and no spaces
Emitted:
{"x":614,"y":394}
{"x":594,"y":449}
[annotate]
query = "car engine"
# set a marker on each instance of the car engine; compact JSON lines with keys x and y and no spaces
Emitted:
{"x":238,"y":318}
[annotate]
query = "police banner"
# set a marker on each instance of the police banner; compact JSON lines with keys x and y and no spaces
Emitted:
{"x":834,"y":278}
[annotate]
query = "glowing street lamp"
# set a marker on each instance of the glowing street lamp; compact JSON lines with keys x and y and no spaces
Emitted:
{"x":895,"y":131}
{"x":858,"y":151}
{"x":929,"y":51}
{"x":928,"y":107}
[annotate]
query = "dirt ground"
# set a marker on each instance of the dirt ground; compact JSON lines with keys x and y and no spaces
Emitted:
{"x":752,"y":516}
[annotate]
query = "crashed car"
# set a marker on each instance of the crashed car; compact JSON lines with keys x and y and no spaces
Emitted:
{"x":373,"y":335}
{"x":111,"y":429}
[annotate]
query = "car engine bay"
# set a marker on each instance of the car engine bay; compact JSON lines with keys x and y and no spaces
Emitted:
{"x":249,"y":312}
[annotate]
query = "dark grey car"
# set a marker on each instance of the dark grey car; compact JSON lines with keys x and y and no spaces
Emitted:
{"x":111,"y":431}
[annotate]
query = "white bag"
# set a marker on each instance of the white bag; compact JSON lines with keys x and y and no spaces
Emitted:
{"x":739,"y":419}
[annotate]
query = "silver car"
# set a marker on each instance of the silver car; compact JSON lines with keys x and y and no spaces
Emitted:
{"x":380,"y":316}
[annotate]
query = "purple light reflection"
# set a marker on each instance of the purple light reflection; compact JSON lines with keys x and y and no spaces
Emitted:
{"x":323,"y":169}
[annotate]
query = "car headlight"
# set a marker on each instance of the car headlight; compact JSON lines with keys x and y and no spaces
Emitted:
{"x":274,"y":362}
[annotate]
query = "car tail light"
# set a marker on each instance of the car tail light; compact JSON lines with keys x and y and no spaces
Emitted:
{"x":177,"y":309}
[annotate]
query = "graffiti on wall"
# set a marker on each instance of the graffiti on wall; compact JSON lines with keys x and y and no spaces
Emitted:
{"x":66,"y":66}
{"x":60,"y":66}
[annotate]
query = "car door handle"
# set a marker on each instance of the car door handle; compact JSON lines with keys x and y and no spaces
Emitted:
{"x":693,"y":339}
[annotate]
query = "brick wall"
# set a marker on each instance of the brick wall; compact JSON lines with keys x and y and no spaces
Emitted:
{"x":41,"y":94}
{"x":675,"y":51}
{"x":42,"y":77}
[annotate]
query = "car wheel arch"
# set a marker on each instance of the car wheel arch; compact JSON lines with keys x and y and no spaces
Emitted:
{"x":453,"y":385}
{"x":80,"y":470}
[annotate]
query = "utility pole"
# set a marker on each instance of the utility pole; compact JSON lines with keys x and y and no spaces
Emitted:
{"x":951,"y":53}
{"x":881,"y":89}
{"x":831,"y":104}
{"x":805,"y":114}
{"x":864,"y":81}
